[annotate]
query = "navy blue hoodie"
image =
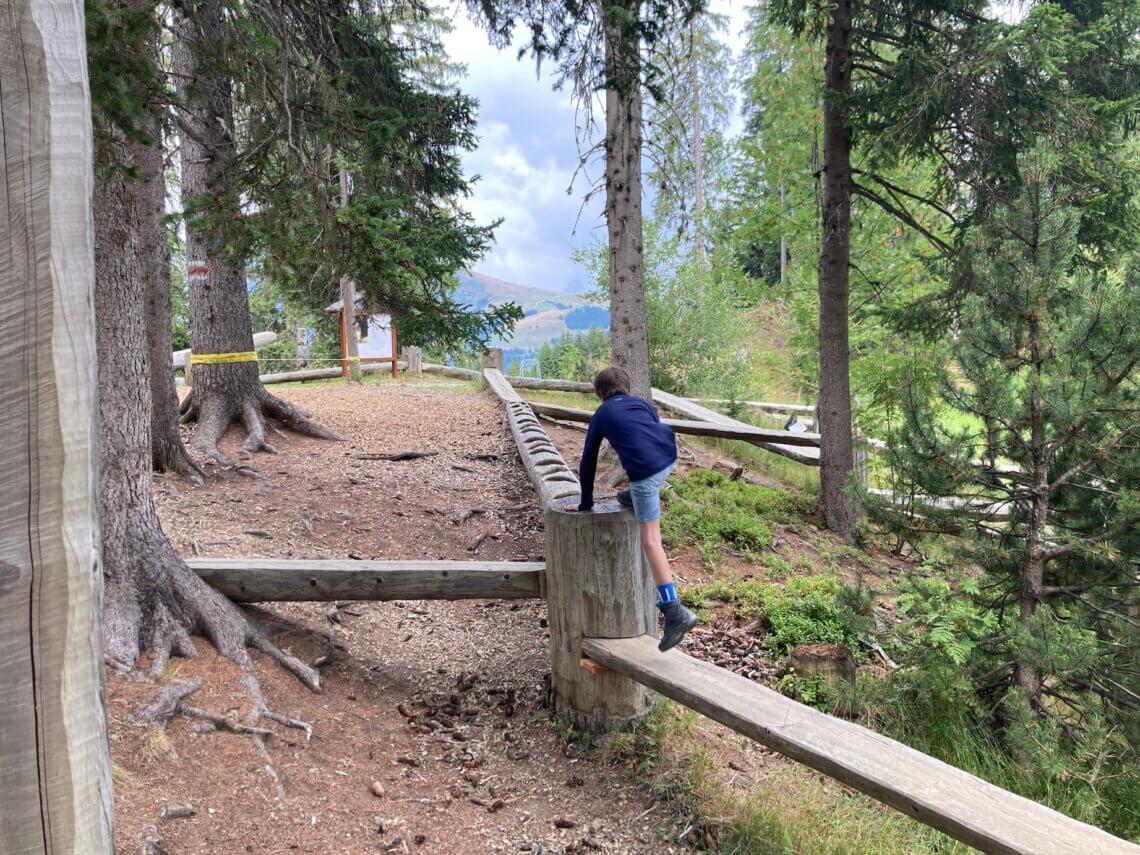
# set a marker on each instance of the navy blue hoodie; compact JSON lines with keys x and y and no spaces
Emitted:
{"x":644,"y":445}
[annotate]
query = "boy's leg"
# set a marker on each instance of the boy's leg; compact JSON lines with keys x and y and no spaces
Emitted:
{"x":655,"y":552}
{"x":678,"y":619}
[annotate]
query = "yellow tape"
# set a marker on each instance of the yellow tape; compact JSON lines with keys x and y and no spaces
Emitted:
{"x":219,"y":358}
{"x":352,"y":359}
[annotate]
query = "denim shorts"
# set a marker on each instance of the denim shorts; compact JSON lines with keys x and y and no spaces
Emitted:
{"x":646,"y":495}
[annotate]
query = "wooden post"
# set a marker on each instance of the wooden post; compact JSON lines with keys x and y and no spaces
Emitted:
{"x":596,"y":586}
{"x":415,"y":359}
{"x":859,"y":446}
{"x":188,"y":371}
{"x":493,"y":358}
{"x":53,"y":737}
{"x":348,"y":313}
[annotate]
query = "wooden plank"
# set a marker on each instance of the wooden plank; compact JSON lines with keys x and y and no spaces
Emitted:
{"x":783,"y":446}
{"x":935,"y":793}
{"x":500,"y":386}
{"x":306,"y":374}
{"x":260,"y":340}
{"x":549,"y":384}
{"x":263,"y":580}
{"x":764,"y":406}
{"x":451,"y":371}
{"x":56,"y":791}
{"x":801,"y":447}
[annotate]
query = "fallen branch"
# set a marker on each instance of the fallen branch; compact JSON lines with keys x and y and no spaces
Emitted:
{"x":463,"y":516}
{"x":395,"y":455}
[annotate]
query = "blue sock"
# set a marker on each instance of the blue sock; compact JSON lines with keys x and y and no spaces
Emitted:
{"x":666,"y":594}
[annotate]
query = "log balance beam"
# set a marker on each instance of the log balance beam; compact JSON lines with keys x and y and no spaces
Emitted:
{"x":961,"y":805}
{"x":263,"y":580}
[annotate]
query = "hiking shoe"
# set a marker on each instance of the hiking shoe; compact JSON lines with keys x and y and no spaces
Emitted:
{"x":678,"y":621}
{"x":625,"y":499}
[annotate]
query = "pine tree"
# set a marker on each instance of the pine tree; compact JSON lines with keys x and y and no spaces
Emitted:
{"x":1045,"y":365}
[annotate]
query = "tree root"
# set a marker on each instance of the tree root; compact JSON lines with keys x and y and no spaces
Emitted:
{"x":215,"y":412}
{"x":176,"y":603}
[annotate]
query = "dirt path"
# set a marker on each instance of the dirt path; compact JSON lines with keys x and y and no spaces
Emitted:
{"x":481,"y":768}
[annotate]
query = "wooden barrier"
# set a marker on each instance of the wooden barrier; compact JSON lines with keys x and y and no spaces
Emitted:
{"x":935,"y":793}
{"x":798,"y":445}
{"x":260,"y":340}
{"x":307,"y":374}
{"x":781,"y":446}
{"x":763,"y":406}
{"x":263,"y":580}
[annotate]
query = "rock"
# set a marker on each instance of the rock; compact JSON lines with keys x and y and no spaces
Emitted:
{"x":408,"y":761}
{"x":456,"y":791}
{"x":496,"y":805}
{"x":404,"y":710}
{"x":564,"y":822}
{"x":473,"y":778}
{"x":576,"y":781}
{"x":377,"y":789}
{"x":420,"y":839}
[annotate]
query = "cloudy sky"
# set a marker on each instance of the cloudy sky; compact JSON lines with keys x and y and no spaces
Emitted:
{"x":526,"y":158}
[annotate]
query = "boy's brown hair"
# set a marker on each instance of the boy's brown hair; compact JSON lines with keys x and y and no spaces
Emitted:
{"x":609,"y":381}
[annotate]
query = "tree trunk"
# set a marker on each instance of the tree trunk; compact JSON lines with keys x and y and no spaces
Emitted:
{"x":348,"y":307}
{"x":628,"y":326}
{"x":220,"y":324}
{"x":53,"y":739}
{"x":836,"y":456}
{"x":1031,"y":594}
{"x":169,"y":454}
{"x":153,"y":601}
{"x":698,"y":148}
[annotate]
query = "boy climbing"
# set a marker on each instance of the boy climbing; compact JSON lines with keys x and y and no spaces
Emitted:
{"x":647,"y":451}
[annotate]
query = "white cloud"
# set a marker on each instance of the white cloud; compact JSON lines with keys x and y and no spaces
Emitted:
{"x":527,"y":157}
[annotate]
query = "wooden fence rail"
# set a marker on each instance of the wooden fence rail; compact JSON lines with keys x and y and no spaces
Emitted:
{"x":796,"y":446}
{"x":935,"y":793}
{"x":264,"y":580}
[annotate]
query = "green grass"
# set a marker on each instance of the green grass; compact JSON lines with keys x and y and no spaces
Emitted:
{"x":787,"y":809}
{"x":804,"y":610}
{"x":706,"y":510}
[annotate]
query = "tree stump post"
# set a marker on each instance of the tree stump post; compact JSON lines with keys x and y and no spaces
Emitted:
{"x":53,"y":738}
{"x":596,"y":587}
{"x":414,"y":358}
{"x":493,"y":358}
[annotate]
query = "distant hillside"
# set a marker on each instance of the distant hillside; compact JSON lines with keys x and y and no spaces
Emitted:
{"x":548,"y":314}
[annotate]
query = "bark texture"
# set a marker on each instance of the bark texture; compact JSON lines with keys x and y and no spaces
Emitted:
{"x":153,"y":602}
{"x":56,"y":791}
{"x":219,"y":302}
{"x":629,"y":333}
{"x":836,"y":455}
{"x":169,"y":453}
{"x":596,"y":587}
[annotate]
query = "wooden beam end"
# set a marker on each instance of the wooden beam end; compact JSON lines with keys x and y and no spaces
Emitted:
{"x":593,"y":667}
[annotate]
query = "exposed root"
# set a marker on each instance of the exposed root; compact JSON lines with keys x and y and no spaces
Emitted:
{"x":176,"y":603}
{"x":294,"y":418}
{"x":214,"y":413}
{"x":173,"y":457}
